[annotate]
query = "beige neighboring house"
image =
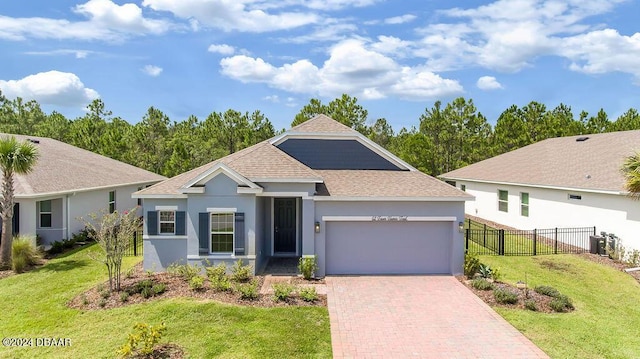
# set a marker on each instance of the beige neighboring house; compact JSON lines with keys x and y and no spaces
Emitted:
{"x":320,"y":189}
{"x":68,"y":182}
{"x":571,"y":181}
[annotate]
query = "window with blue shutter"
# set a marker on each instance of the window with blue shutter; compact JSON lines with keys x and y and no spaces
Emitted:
{"x":152,"y":223}
{"x":203,"y":232}
{"x":181,"y":225}
{"x":239,"y":234}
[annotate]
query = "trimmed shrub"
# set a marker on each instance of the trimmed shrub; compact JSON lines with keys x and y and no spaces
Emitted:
{"x":282,"y":291}
{"x":249,"y":290}
{"x":196,"y":283}
{"x":222,"y":284}
{"x":547,"y":290}
{"x":146,"y":292}
{"x":561,"y":303}
{"x":482,"y":284}
{"x":105,"y":294}
{"x":24,"y":254}
{"x":240,"y":273}
{"x":159,"y":288}
{"x":505,"y":296}
{"x":124,"y":296}
{"x":185,"y":271}
{"x":216,"y":272}
{"x":141,"y":341}
{"x":307,"y":267}
{"x":309,"y":294}
{"x":471,"y":265}
{"x":531,"y":305}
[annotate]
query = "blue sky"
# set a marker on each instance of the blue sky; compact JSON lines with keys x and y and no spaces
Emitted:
{"x":397,"y":57}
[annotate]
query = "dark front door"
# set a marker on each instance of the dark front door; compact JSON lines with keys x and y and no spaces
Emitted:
{"x":284,"y":225}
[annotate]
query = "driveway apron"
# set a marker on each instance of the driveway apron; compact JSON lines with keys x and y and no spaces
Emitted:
{"x":419,"y":317}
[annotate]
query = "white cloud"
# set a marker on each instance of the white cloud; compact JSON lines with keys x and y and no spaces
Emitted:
{"x":488,"y":83}
{"x":400,"y":19}
{"x":222,"y":49}
{"x":79,"y":54}
{"x":152,"y":70}
{"x":52,"y":87}
{"x":329,"y":31}
{"x":272,"y":98}
{"x":372,"y":76}
{"x":106,"y":21}
{"x":233,"y":15}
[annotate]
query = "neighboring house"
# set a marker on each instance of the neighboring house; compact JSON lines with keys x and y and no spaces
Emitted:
{"x":560,"y":182}
{"x":319,"y":189}
{"x":67,"y":183}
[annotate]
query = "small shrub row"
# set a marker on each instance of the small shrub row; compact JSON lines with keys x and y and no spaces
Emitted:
{"x":547,"y":290}
{"x":184,"y":271}
{"x":83,"y":236}
{"x":473,"y":267}
{"x":147,"y":288}
{"x":505,"y":296}
{"x":482,"y":284}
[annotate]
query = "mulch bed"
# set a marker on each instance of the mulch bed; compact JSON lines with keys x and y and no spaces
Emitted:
{"x":178,"y":288}
{"x":542,"y":301}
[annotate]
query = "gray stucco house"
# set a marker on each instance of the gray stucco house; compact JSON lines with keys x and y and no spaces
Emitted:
{"x":67,"y":183}
{"x":319,"y":189}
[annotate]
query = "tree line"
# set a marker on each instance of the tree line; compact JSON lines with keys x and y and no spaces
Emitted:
{"x":446,"y":136}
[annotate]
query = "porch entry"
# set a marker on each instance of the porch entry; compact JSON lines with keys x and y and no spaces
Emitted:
{"x":284,"y":226}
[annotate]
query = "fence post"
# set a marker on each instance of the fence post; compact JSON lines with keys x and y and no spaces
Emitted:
{"x":135,"y":243}
{"x":484,"y":236}
{"x":594,"y":230}
{"x":501,"y":242}
{"x":555,"y":242}
{"x":466,"y":237}
{"x":535,"y":239}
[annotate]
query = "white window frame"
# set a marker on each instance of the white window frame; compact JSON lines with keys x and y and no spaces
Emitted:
{"x":212,"y":232}
{"x":160,"y":222}
{"x":523,"y":205}
{"x":44,"y":212}
{"x":112,"y":202}
{"x":506,"y":202}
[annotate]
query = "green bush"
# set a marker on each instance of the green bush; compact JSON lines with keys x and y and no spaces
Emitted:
{"x":309,"y":294}
{"x":196,"y":283}
{"x":143,"y":335}
{"x":282,"y":291}
{"x":307,"y":267}
{"x":471,"y":265}
{"x":124,"y":296}
{"x":56,"y":247}
{"x":482,"y":284}
{"x":248,"y":290}
{"x":505,"y":296}
{"x":547,"y":290}
{"x":531,"y":305}
{"x":84,"y":235}
{"x":216,"y":272}
{"x":146,"y":292}
{"x":185,"y":271}
{"x":102,"y":303}
{"x":159,"y":288}
{"x":240,"y":273}
{"x":105,"y":294}
{"x":24,"y":254}
{"x":496,"y":274}
{"x":562,"y":303}
{"x":221,"y":284}
{"x":147,"y":288}
{"x":485,"y":271}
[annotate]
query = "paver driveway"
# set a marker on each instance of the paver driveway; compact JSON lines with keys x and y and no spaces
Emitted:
{"x":420,"y":317}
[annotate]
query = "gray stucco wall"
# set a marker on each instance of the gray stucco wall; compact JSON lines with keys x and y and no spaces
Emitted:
{"x":160,"y":253}
{"x":374,"y":208}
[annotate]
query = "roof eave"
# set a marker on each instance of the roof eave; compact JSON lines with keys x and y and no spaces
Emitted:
{"x":561,"y":188}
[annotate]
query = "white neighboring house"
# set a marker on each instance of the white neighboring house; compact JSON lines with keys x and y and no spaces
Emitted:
{"x":571,"y":181}
{"x":68,"y":182}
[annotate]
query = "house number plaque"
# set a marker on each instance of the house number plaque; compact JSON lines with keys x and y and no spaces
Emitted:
{"x":389,"y":218}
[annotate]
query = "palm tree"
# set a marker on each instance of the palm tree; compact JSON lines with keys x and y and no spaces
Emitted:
{"x":15,"y":157}
{"x":631,"y":171}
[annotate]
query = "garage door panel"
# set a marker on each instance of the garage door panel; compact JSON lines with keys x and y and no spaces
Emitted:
{"x":388,"y":247}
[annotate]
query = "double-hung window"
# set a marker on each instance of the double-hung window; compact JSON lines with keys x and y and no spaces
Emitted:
{"x":45,"y":214}
{"x":524,"y":204}
{"x":222,"y":233}
{"x":503,"y":201}
{"x":112,"y":201}
{"x":167,"y":222}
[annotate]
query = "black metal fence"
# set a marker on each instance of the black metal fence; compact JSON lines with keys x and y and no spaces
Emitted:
{"x":481,"y":239}
{"x":135,"y":247}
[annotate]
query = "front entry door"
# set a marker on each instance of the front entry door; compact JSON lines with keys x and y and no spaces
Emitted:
{"x":284,"y":225}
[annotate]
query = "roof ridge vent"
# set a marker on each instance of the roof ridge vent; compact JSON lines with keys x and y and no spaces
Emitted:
{"x":582,"y":139}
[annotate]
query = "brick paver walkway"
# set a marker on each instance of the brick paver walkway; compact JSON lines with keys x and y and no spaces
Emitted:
{"x":417,"y":317}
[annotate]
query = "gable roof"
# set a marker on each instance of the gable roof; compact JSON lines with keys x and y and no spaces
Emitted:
{"x":265,"y":162}
{"x":563,"y":162}
{"x":63,"y":168}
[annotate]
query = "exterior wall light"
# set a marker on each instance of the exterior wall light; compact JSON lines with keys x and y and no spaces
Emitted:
{"x":317,"y":227}
{"x":461,"y":227}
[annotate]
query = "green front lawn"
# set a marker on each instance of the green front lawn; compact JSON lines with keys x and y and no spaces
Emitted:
{"x":606,"y":321}
{"x":34,"y":305}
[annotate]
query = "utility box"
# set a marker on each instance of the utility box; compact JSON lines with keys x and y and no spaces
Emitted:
{"x":597,"y":245}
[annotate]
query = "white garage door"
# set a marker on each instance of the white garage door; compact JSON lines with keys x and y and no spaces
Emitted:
{"x":388,"y":247}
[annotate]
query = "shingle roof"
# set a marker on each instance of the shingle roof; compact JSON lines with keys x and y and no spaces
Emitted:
{"x":322,"y":124}
{"x":265,"y":160}
{"x":372,"y":183}
{"x":593,"y":164}
{"x":65,"y":168}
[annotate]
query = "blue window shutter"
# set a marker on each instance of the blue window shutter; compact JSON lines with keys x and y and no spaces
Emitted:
{"x":239,"y":234}
{"x":181,"y":224}
{"x":152,"y":223}
{"x":204,"y":233}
